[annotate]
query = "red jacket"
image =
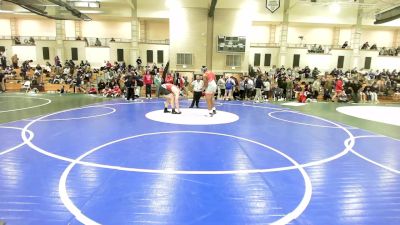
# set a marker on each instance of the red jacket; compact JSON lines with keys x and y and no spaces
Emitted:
{"x":147,"y":79}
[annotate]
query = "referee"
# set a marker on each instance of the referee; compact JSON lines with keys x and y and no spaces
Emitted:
{"x":198,"y":85}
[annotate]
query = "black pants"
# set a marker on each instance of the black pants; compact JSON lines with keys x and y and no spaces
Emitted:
{"x":148,"y":90}
{"x":130,"y":94}
{"x":196,"y":98}
{"x":242,"y":94}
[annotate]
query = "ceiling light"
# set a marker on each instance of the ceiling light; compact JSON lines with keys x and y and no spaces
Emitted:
{"x":85,"y":4}
{"x":91,"y":11}
{"x":6,"y":11}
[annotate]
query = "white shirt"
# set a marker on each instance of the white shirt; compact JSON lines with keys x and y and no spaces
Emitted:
{"x":198,"y":85}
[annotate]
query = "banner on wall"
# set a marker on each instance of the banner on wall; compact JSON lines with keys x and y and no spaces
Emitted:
{"x":272,"y":5}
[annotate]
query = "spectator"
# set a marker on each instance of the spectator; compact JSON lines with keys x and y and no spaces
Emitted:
{"x":97,"y":42}
{"x":157,"y":83}
{"x":148,"y":81}
{"x":259,"y":86}
{"x":14,"y":60}
{"x":112,"y":40}
{"x":345,"y":44}
{"x":249,"y":86}
{"x":267,"y":88}
{"x":86,"y":41}
{"x":3,"y":60}
{"x":78,"y":38}
{"x":373,"y":47}
{"x":169,"y":79}
{"x":17,"y":41}
{"x":31,"y":41}
{"x":101,"y":86}
{"x":229,"y":86}
{"x":139,"y":62}
{"x":338,"y":88}
{"x":221,"y":87}
{"x":2,"y":81}
{"x":57,"y":61}
{"x":130,"y":86}
{"x":365,"y":46}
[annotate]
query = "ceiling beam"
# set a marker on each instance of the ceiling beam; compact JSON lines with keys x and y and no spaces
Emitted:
{"x":212,"y":8}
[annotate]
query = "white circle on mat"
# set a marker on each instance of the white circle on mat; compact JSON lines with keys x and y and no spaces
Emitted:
{"x":383,"y":114}
{"x":193,"y":116}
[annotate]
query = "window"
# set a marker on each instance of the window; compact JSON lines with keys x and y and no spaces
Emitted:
{"x":340,"y":62}
{"x":367,"y":63}
{"x":46,"y":53}
{"x":160,"y":56}
{"x":257,"y":59}
{"x":184,"y":59}
{"x":149,"y":56}
{"x":74,"y":53}
{"x":233,"y":60}
{"x":267,"y":60}
{"x":120,"y":55}
{"x":296,"y":60}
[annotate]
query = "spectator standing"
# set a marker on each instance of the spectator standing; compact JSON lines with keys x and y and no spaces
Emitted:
{"x":157,"y":83}
{"x":129,"y":85}
{"x":2,"y":80}
{"x":289,"y":88}
{"x":249,"y":88}
{"x":139,"y":62}
{"x":229,"y":86}
{"x":14,"y":60}
{"x":3,"y":59}
{"x":259,"y":85}
{"x":242,"y":89}
{"x":267,"y":88}
{"x":338,"y":88}
{"x":148,"y":81}
{"x":221,"y":87}
{"x":316,"y":86}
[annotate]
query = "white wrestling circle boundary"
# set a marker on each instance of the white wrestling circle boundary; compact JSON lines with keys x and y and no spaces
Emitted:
{"x":113,"y":110}
{"x":306,"y":124}
{"x":370,"y":160}
{"x":31,"y":107}
{"x":19,"y":145}
{"x":86,"y":220}
{"x":349,"y":143}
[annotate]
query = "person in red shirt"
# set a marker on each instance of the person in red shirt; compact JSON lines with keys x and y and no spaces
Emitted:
{"x":148,"y":81}
{"x":169,"y":79}
{"x":171,"y":93}
{"x":338,"y":88}
{"x":116,"y":91}
{"x":210,"y":89}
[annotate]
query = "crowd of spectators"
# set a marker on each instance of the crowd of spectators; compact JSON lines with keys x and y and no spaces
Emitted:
{"x":280,"y":84}
{"x":304,"y":85}
{"x":385,"y":51}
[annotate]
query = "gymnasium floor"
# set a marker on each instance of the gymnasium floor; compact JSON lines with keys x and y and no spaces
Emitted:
{"x":78,"y":159}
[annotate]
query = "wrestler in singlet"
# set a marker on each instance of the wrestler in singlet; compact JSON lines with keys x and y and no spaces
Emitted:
{"x":167,"y":86}
{"x":211,"y":83}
